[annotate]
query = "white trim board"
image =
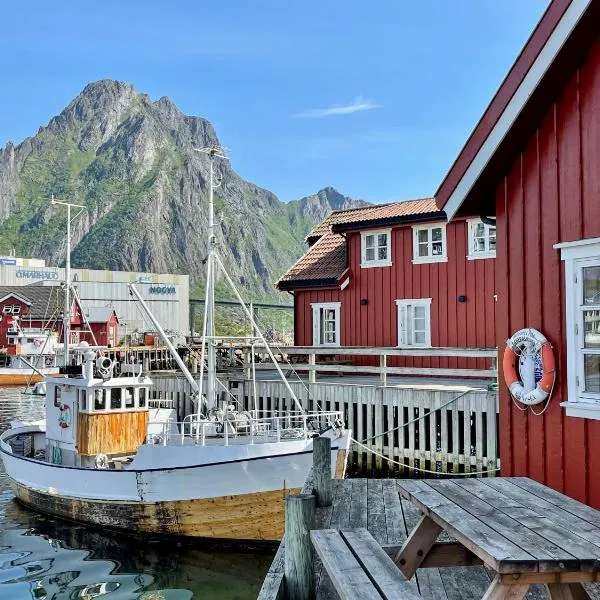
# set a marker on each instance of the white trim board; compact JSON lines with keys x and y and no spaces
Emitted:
{"x":513,"y":109}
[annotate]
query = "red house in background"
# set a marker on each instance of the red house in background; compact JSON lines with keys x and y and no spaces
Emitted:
{"x":396,"y":275}
{"x":37,"y":307}
{"x":533,"y":161}
{"x":104,"y":324}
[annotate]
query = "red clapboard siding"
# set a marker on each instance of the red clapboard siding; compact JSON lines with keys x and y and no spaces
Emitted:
{"x":376,"y":323}
{"x":550,"y":194}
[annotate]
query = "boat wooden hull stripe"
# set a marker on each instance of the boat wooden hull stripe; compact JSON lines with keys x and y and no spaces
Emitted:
{"x":253,"y":517}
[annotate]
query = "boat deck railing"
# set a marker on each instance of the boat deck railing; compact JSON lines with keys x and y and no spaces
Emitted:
{"x":243,"y":428}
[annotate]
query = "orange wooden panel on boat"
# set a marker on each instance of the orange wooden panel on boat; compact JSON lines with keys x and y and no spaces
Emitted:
{"x":111,"y":433}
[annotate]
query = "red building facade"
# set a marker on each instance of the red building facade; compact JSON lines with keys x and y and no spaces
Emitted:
{"x":534,"y":162}
{"x":396,"y":275}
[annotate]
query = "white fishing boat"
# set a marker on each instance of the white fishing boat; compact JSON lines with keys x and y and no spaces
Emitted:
{"x":107,"y":456}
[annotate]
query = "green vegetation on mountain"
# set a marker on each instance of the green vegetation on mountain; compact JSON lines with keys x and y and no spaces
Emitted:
{"x":131,"y":162}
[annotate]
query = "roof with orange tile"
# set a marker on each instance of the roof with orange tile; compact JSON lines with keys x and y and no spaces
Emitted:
{"x":325,"y":261}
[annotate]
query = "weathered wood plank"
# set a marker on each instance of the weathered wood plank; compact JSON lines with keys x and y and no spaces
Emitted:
{"x":345,"y":572}
{"x":358,"y":508}
{"x":376,"y":511}
{"x":272,"y":587}
{"x":431,"y":585}
{"x":382,"y":571}
{"x":394,"y":521}
{"x":500,"y":591}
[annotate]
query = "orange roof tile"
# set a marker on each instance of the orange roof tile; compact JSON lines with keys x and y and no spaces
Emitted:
{"x":325,"y":262}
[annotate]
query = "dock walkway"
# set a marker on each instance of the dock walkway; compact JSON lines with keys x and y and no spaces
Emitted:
{"x":376,"y":505}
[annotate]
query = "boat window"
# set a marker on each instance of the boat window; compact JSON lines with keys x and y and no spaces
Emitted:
{"x":57,"y":394}
{"x":99,"y":400}
{"x":129,"y":398}
{"x":115,"y":398}
{"x":83,"y":400}
{"x":142,"y":398}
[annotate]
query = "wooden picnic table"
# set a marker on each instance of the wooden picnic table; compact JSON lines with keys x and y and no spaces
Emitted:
{"x":525,"y":532}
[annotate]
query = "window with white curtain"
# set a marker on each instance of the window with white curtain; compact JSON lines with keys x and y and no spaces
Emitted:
{"x":326,"y":324}
{"x":414,"y":322}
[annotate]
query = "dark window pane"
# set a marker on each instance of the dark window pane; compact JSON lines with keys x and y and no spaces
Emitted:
{"x":591,"y":285}
{"x":592,"y":373}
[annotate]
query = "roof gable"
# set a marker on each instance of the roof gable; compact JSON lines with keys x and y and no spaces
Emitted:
{"x":517,"y":92}
{"x":18,"y":297}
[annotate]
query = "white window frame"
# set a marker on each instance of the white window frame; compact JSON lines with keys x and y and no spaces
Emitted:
{"x":417,"y":260}
{"x":317,"y":307}
{"x":364,"y":263}
{"x":404,"y":305}
{"x":577,"y":255}
{"x":473,"y":253}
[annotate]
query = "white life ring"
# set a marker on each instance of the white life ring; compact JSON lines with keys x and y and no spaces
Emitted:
{"x":529,"y":348}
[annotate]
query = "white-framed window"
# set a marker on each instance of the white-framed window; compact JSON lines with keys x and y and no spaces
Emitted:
{"x":582,"y":304}
{"x":429,"y":243}
{"x":481,"y":239}
{"x":414,"y":322}
{"x":376,"y":248}
{"x":326,"y":323}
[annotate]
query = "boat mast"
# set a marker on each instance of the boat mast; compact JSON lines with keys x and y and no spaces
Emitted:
{"x":67,"y":304}
{"x":211,"y":381}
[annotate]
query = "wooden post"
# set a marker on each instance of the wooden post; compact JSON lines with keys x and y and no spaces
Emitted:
{"x":298,"y":564}
{"x":322,"y":471}
{"x":312,"y":374}
{"x":383,"y":371}
{"x":248,"y":363}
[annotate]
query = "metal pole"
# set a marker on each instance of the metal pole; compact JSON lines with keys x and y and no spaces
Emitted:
{"x":210,"y":306}
{"x":67,"y":307}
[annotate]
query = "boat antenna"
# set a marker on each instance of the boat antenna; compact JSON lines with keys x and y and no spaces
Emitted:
{"x":213,"y":151}
{"x":67,"y":299}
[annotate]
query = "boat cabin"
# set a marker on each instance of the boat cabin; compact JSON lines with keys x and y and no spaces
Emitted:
{"x":95,"y":417}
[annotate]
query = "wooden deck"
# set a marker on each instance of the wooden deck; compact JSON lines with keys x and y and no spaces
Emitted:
{"x":376,"y":505}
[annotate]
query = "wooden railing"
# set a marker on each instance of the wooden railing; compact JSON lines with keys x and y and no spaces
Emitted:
{"x":287,"y":354}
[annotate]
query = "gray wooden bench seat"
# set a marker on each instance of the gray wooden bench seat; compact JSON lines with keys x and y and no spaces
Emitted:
{"x":359,"y":568}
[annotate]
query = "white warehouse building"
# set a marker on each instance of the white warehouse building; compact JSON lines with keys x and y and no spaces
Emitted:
{"x":167,"y":295}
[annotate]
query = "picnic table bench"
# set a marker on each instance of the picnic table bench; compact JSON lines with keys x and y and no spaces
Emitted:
{"x":525,"y":532}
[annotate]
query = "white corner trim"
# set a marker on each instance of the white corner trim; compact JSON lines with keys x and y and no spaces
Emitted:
{"x":345,"y":284}
{"x":538,"y":69}
{"x":326,"y":304}
{"x":584,"y":410}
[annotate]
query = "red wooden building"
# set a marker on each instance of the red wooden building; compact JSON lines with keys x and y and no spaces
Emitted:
{"x":37,"y":307}
{"x":396,"y":275}
{"x":533,"y":161}
{"x":104,"y":324}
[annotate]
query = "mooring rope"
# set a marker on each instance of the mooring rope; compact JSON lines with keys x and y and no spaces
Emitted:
{"x":419,"y":418}
{"x":396,"y":462}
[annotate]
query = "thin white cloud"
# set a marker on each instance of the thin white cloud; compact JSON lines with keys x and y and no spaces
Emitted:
{"x":357,"y":105}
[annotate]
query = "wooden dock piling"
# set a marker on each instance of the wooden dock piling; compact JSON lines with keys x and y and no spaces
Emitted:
{"x":323,"y":484}
{"x":299,"y":574}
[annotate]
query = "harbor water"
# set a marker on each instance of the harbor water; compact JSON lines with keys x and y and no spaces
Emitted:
{"x":42,"y":558}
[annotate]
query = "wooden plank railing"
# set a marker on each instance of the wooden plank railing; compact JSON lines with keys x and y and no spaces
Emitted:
{"x":312,"y":366}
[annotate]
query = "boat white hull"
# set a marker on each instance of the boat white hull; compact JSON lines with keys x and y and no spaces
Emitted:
{"x":14,"y":376}
{"x":230,"y":493}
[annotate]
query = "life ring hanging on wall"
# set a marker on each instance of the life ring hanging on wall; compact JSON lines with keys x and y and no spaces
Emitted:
{"x":528,"y":356}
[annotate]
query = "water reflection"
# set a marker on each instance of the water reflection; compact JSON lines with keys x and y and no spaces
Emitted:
{"x":48,"y":559}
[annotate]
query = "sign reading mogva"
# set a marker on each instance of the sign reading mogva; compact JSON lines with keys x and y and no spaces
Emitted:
{"x":162,"y":290}
{"x":36,"y":274}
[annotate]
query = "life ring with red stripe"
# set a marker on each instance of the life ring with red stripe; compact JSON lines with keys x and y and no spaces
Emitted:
{"x":529,"y":361}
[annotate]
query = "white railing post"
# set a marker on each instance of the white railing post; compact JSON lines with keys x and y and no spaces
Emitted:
{"x":383,"y":371}
{"x":278,"y":429}
{"x":226,"y":430}
{"x":312,"y":374}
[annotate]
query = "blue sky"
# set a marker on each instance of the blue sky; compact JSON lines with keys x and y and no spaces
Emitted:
{"x":373,"y":98}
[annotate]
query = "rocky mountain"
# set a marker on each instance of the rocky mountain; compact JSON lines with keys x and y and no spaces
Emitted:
{"x":131,"y":162}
